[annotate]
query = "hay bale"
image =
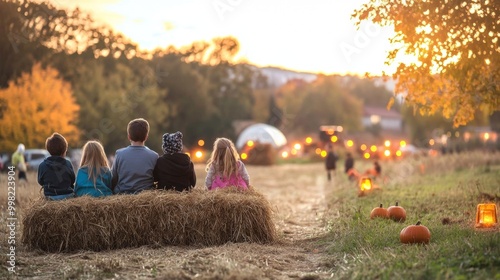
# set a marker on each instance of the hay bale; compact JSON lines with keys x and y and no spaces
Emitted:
{"x":151,"y":218}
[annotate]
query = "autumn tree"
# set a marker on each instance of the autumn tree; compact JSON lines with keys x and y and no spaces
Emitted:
{"x":306,"y":106}
{"x":36,"y":105}
{"x":457,"y":53}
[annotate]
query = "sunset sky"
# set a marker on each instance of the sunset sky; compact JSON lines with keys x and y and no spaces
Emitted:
{"x":312,"y":36}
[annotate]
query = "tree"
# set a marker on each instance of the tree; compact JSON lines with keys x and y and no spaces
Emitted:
{"x":306,"y":106}
{"x":456,"y":46}
{"x":189,"y":105}
{"x":36,"y":105}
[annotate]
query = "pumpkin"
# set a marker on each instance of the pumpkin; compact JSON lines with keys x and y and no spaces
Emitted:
{"x":397,"y":213}
{"x":379,"y":212}
{"x":415,"y":234}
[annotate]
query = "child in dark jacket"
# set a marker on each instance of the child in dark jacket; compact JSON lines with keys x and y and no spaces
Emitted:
{"x":55,"y":173}
{"x":174,"y":170}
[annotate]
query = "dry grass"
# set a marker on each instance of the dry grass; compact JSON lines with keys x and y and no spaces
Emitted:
{"x":159,"y":218}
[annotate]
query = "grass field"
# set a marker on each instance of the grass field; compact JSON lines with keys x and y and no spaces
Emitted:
{"x":325,"y":229}
{"x":444,"y":199}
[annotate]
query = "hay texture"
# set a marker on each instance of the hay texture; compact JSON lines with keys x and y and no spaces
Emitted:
{"x":154,"y":218}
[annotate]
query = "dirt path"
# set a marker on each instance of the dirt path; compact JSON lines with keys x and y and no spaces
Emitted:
{"x":297,"y":193}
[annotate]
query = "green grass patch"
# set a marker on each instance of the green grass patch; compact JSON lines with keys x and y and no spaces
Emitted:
{"x":444,"y":201}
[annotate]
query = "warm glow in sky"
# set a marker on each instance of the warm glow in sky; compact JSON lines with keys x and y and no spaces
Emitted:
{"x":302,"y":35}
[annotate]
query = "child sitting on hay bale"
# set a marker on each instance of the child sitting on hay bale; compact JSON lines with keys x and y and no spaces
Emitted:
{"x":174,"y":170}
{"x":224,"y":168}
{"x":133,"y":166}
{"x":55,"y":173}
{"x":94,"y":176}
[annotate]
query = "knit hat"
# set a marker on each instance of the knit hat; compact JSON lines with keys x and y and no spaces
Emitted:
{"x":172,"y":143}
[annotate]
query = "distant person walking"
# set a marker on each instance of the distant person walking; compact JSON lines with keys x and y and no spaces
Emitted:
{"x":330,"y":161}
{"x":19,"y":162}
{"x":352,"y":174}
{"x":375,"y":171}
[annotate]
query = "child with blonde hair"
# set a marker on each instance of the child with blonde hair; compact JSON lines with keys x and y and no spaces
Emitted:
{"x":94,"y":175}
{"x":224,"y":168}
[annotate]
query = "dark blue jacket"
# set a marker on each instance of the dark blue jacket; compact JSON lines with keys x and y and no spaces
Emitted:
{"x":56,"y":176}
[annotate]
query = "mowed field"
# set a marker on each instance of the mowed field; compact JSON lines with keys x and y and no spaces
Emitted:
{"x":320,"y":225}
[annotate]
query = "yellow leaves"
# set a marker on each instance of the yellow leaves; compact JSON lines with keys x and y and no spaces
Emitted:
{"x":37,"y":104}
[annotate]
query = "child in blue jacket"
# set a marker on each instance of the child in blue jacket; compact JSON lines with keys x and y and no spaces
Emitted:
{"x":94,"y":176}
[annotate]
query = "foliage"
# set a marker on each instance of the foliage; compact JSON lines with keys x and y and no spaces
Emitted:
{"x":456,"y":46}
{"x":306,"y":106}
{"x":37,"y":104}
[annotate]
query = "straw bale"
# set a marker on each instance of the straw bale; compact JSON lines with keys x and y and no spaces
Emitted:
{"x":198,"y":217}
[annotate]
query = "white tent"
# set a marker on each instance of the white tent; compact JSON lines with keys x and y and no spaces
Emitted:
{"x":262,"y":133}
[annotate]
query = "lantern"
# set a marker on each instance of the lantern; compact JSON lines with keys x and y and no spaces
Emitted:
{"x":365,"y":184}
{"x":486,"y":216}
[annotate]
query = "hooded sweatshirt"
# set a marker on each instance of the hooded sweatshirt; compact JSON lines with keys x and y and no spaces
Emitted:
{"x":175,"y":172}
{"x":56,"y":176}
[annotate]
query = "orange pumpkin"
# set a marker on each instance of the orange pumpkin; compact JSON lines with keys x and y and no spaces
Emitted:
{"x":397,"y":213}
{"x":379,"y":212}
{"x":415,"y":234}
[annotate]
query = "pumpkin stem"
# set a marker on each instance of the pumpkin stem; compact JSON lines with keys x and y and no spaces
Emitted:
{"x":418,"y":223}
{"x":380,"y":205}
{"x":397,"y":202}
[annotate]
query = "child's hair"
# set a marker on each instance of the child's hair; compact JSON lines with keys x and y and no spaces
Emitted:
{"x":94,"y":158}
{"x":56,"y":145}
{"x":224,"y":157}
{"x":138,"y":130}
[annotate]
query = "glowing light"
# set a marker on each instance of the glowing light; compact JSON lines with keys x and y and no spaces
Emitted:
{"x":323,"y":153}
{"x":387,"y":153}
{"x":244,"y":156}
{"x":340,"y":129}
{"x":309,"y":140}
{"x":250,"y":143}
{"x":284,"y":154}
{"x":486,"y":136}
{"x":297,"y":146}
{"x":467,"y":136}
{"x":350,"y":143}
{"x":402,"y":143}
{"x":399,"y":153}
{"x":387,"y":143}
{"x":331,"y":132}
{"x":365,"y":184}
{"x":486,"y":215}
{"x":317,"y":151}
{"x":334,"y":138}
{"x":431,"y":142}
{"x":363,"y":147}
{"x":201,"y":143}
{"x":366,"y":155}
{"x":198,"y":154}
{"x":293,"y":152}
{"x":373,"y":148}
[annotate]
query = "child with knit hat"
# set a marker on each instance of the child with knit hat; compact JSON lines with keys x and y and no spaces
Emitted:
{"x":174,"y":170}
